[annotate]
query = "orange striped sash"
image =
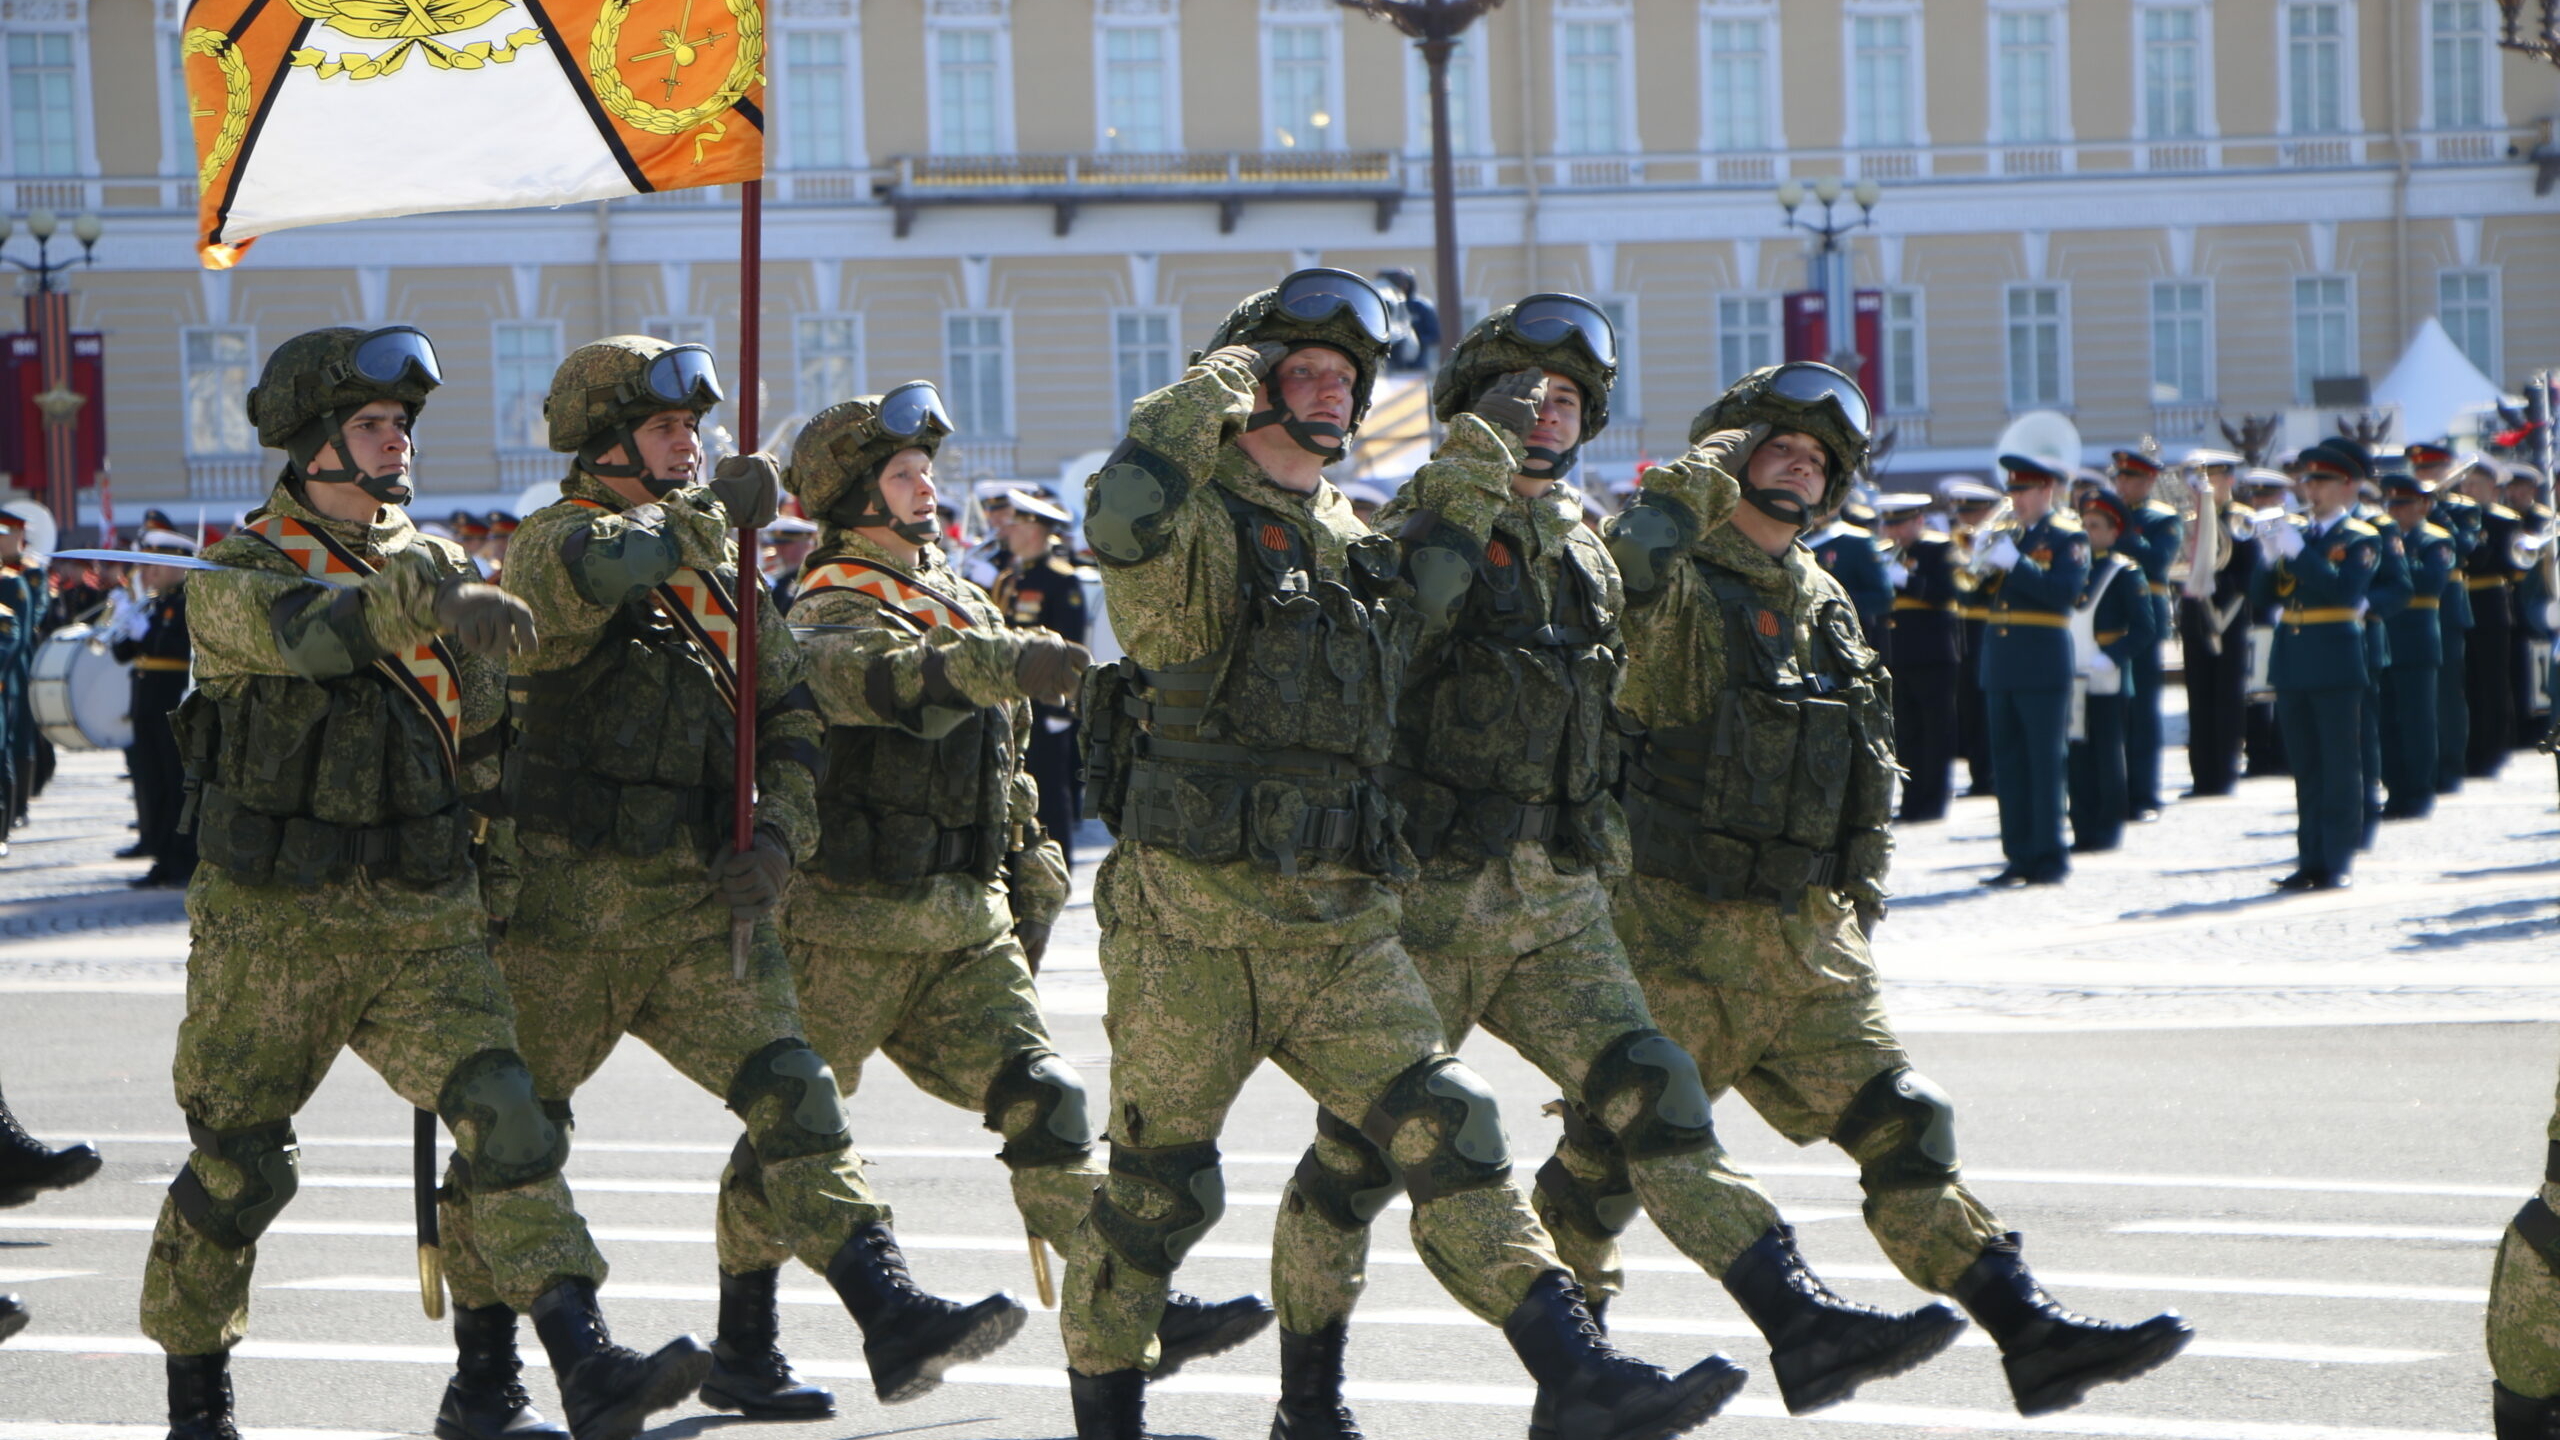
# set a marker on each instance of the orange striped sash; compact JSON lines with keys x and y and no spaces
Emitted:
{"x":919,"y":605}
{"x":702,"y":606}
{"x":426,"y":673}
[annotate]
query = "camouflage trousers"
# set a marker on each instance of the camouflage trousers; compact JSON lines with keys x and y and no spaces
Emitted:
{"x":682,"y":1002}
{"x":261,"y":1031}
{"x":1784,"y":1008}
{"x":1560,"y":1006}
{"x":2524,"y":1295}
{"x":953,"y":1020}
{"x":1188,"y":1026}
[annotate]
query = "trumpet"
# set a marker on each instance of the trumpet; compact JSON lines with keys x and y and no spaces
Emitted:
{"x":2001,"y":520}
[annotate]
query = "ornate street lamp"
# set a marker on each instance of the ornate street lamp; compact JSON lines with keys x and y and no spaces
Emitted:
{"x":49,"y":318}
{"x":1830,"y":264}
{"x":1435,"y":26}
{"x":2544,"y":43}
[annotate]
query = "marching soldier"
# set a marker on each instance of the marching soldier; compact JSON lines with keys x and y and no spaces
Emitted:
{"x":2416,"y":638}
{"x":2113,"y":619}
{"x":2490,"y":573}
{"x":28,"y":1166}
{"x":2157,"y":533}
{"x":2034,"y":572}
{"x":154,"y":642}
{"x":1749,"y":907}
{"x":343,"y":732}
{"x":1504,"y":749}
{"x":1246,"y":911}
{"x":2213,"y":627}
{"x":1924,"y":649}
{"x":1044,"y":590}
{"x":618,"y":779}
{"x":1974,"y":503}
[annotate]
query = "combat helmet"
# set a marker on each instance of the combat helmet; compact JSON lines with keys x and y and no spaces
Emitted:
{"x":316,"y":381}
{"x":837,"y":458}
{"x":1332,"y":308}
{"x":607,"y":387}
{"x":1563,"y":333}
{"x":1803,"y":396}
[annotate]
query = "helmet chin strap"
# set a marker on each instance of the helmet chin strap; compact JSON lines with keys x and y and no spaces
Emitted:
{"x":1307,"y":435}
{"x":1779,"y":504}
{"x":1548,"y":463}
{"x":327,"y":432}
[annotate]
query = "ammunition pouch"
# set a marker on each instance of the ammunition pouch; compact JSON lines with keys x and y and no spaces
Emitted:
{"x":628,"y":749}
{"x":896,"y":808}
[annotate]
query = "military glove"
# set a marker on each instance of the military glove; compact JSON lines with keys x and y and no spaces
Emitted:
{"x":749,"y":488}
{"x":1510,"y":404}
{"x":1730,"y":450}
{"x":1050,"y":668}
{"x":1033,"y":937}
{"x":486,"y":620}
{"x":1897,"y":574}
{"x":752,"y":880}
{"x":2001,"y":554}
{"x":2282,"y":540}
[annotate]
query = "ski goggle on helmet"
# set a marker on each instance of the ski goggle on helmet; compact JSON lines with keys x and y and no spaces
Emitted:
{"x":906,"y":411}
{"x":1550,"y":320}
{"x":683,"y":376}
{"x":387,"y":357}
{"x":1809,"y":385}
{"x":1317,"y":295}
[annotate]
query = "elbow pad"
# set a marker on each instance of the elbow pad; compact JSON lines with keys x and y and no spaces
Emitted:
{"x":610,"y":570}
{"x":1134,"y":500}
{"x":320,"y":631}
{"x":1646,"y":538}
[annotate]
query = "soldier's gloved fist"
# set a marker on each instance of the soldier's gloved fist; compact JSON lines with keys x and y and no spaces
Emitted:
{"x":1510,"y":404}
{"x":1033,"y":937}
{"x":1050,"y":668}
{"x":752,"y":880}
{"x":749,"y":488}
{"x":2001,"y":554}
{"x":2285,"y":540}
{"x":486,"y":620}
{"x":1258,"y":358}
{"x":1731,"y":449}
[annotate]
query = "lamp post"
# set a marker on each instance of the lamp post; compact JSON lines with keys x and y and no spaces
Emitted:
{"x":1830,"y":264}
{"x":1435,"y":26}
{"x":2544,"y":43}
{"x":49,"y":319}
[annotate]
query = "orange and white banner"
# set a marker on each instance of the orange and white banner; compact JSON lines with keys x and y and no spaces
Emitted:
{"x":313,"y":111}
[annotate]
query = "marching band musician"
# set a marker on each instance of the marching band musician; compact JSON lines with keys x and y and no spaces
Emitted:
{"x":2490,"y":573}
{"x":2115,"y":612}
{"x":152,"y":638}
{"x":1844,"y":543}
{"x":2409,"y":678}
{"x":2432,"y":462}
{"x":2261,"y":490}
{"x":2152,"y":541}
{"x":2213,"y":626}
{"x":1924,"y":649}
{"x":2034,"y":573}
{"x":1974,"y":504}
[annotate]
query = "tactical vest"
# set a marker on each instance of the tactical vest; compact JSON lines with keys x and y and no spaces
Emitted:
{"x":1264,"y":750}
{"x":1759,"y":803}
{"x":1507,"y":734}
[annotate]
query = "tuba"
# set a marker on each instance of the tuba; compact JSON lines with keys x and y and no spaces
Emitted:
{"x":2046,"y":437}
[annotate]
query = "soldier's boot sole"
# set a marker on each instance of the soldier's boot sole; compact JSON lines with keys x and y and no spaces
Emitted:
{"x":2059,"y":1375}
{"x":662,"y":1381}
{"x":1830,"y":1370}
{"x":908,"y":1363}
{"x":1656,"y":1412}
{"x":62,"y":1170}
{"x":759,"y":1396}
{"x":464,"y":1417}
{"x":1331,"y":1422}
{"x":1197,"y":1329}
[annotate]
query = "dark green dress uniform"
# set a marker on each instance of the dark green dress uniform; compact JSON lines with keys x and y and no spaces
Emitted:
{"x":2389,"y":597}
{"x":1850,"y":554}
{"x":2158,"y":532}
{"x":158,"y":658}
{"x":23,"y":597}
{"x":2319,"y":674}
{"x":2123,"y":629}
{"x":2490,"y":574}
{"x":2026,"y":691}
{"x":2459,"y":516}
{"x":2410,"y":677}
{"x":1924,"y":648}
{"x":1047,"y":593}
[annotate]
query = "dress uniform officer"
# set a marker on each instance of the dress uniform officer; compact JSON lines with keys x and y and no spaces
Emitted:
{"x":2213,"y":630}
{"x":1924,"y":648}
{"x":2262,"y":744}
{"x":1844,"y":543}
{"x":2490,"y":573}
{"x":2114,"y":619}
{"x":2390,"y":598}
{"x":23,"y":603}
{"x":1043,"y":588}
{"x":154,"y":642}
{"x":1972,"y":503}
{"x":790,"y":539}
{"x":2153,"y":541}
{"x":2034,"y":572}
{"x":2409,"y":677}
{"x":2459,"y":515}
{"x":2529,"y":653}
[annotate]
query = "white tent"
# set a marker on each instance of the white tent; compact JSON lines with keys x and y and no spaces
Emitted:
{"x":2433,"y":384}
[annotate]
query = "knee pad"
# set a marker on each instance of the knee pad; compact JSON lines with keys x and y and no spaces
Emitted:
{"x":1061,"y":1126}
{"x":1676,"y":1118}
{"x":1598,"y":1209}
{"x":1195,"y":1193}
{"x":1347,"y":1202}
{"x":1923,"y":1156}
{"x":2536,"y":1226}
{"x":515,"y":1139}
{"x":269,"y":1160}
{"x":811,"y":1113}
{"x":1468,"y":1151}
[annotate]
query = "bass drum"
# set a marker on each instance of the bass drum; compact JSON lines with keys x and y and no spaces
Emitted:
{"x":82,"y":698}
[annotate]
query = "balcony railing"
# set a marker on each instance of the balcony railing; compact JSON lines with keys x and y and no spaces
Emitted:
{"x":228,"y":477}
{"x":2184,"y":420}
{"x":518,"y":468}
{"x":1229,"y":179}
{"x":992,"y":459}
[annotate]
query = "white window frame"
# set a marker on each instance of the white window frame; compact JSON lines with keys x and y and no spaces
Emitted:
{"x":1919,"y":322}
{"x":509,"y":442}
{"x":2496,"y":312}
{"x":1595,"y":12}
{"x":2058,"y":100}
{"x":2493,"y":108}
{"x":1773,"y":52}
{"x":1471,"y":141}
{"x":1294,"y":15}
{"x":856,"y":154}
{"x":943,"y":16}
{"x":981,"y":431}
{"x":2350,"y":86}
{"x":1172,"y":317}
{"x":177,"y":127}
{"x":812,"y":404}
{"x":226,"y":404}
{"x":84,"y":127}
{"x":1916,"y":37}
{"x":1777,"y":304}
{"x":2208,"y":119}
{"x":2062,"y":398}
{"x":2302,"y":377}
{"x":1158,"y":15}
{"x":2207,"y":358}
{"x":1626,"y":405}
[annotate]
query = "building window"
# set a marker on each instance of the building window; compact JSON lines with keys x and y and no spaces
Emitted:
{"x":1880,"y":67}
{"x":2172,"y":64}
{"x":177,"y":126}
{"x":527,"y":352}
{"x":2035,"y":347}
{"x":2324,"y":324}
{"x":1746,"y":335}
{"x":1144,"y":356}
{"x":2180,"y":327}
{"x":1904,"y":391}
{"x":817,"y":86}
{"x":1738,"y":76}
{"x":1301,"y":85}
{"x":827,"y":357}
{"x":216,"y":371}
{"x":2467,"y":304}
{"x":974,"y":360}
{"x":44,"y":111}
{"x":2315,"y":62}
{"x":1137,"y":89}
{"x":2026,"y":76}
{"x":1594,"y":88}
{"x":968,"y":91}
{"x":2458,"y":49}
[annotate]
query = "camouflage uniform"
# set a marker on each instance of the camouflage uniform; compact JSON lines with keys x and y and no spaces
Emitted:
{"x":2524,"y":1311}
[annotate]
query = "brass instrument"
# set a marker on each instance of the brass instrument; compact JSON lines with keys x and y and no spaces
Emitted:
{"x":2049,"y":439}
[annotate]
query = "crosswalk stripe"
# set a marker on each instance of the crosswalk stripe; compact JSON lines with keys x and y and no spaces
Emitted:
{"x":2305,"y":1230}
{"x":11,"y":1275}
{"x":53,"y":1430}
{"x":1219,"y":1250}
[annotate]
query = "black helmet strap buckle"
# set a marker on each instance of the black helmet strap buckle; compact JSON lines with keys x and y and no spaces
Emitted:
{"x":1779,"y":503}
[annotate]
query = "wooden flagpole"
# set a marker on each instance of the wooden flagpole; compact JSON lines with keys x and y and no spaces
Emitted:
{"x":750,"y":561}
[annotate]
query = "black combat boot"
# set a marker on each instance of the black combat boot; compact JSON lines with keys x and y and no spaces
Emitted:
{"x":27,"y":1166}
{"x":13,"y":1315}
{"x":909,"y":1337}
{"x":1311,"y":1405}
{"x":2522,"y":1417}
{"x":609,"y":1390}
{"x":748,"y":1371}
{"x":200,"y":1397}
{"x":1588,"y":1390}
{"x":2053,"y":1356}
{"x":485,"y":1399}
{"x":1194,"y":1329}
{"x":1109,"y":1407}
{"x":1824,"y":1347}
